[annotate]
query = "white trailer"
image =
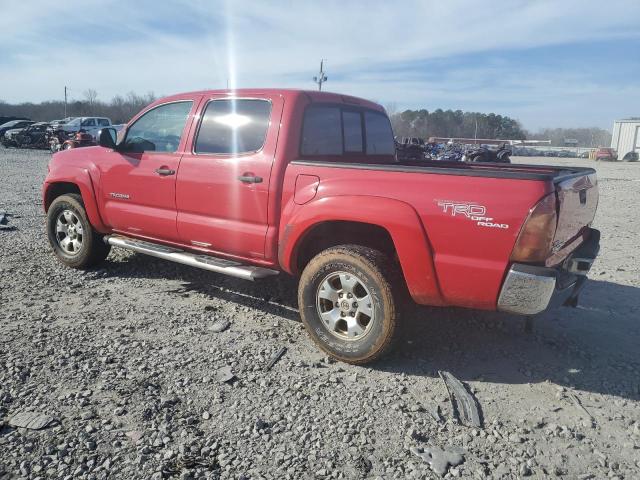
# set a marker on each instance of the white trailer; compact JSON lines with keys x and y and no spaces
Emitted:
{"x":626,"y":138}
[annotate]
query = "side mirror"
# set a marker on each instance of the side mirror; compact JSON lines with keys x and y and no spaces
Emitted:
{"x":107,"y":138}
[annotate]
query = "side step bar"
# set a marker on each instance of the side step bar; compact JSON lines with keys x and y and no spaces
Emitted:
{"x":206,"y":262}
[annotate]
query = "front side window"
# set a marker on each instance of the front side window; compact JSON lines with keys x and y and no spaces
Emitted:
{"x":233,"y":126}
{"x":159,"y":129}
{"x":103,"y":122}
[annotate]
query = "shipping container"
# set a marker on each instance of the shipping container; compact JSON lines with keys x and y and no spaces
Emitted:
{"x":626,"y":138}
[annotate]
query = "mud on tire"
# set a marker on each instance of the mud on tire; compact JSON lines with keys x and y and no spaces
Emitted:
{"x":347,"y":302}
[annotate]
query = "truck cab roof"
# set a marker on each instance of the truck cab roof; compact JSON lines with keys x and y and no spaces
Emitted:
{"x":286,"y":93}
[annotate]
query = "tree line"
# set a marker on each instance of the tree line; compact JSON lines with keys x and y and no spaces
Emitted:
{"x":586,"y":137}
{"x":456,"y":123}
{"x":407,"y":123}
{"x":119,"y":109}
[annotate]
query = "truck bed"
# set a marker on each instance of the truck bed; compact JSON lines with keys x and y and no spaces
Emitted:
{"x":492,"y":170}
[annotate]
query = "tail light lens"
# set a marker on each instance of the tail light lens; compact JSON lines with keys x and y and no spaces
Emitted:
{"x":536,"y":236}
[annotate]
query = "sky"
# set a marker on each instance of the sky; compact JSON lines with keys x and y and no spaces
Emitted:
{"x":560,"y":63}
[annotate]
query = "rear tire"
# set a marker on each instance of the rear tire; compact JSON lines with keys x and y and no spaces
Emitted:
{"x":347,"y":303}
{"x":72,"y":238}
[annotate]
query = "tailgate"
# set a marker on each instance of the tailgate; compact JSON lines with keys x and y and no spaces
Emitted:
{"x":577,"y":203}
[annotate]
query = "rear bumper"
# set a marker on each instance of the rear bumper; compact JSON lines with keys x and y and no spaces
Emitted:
{"x":528,"y":289}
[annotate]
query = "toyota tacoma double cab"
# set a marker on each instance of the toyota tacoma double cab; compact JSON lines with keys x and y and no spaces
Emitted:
{"x":259,"y":182}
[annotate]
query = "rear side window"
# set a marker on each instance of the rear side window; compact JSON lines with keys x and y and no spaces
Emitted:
{"x":334,"y":131}
{"x":321,"y":131}
{"x":233,"y":126}
{"x":379,"y":134}
{"x":352,"y":125}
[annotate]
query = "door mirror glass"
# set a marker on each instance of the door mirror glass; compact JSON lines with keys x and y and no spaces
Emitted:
{"x":107,"y":138}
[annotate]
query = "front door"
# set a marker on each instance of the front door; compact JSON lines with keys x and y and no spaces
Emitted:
{"x":223,"y":182}
{"x":138,"y":180}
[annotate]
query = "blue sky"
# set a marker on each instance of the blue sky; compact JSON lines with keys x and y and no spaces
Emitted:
{"x":569,"y":63}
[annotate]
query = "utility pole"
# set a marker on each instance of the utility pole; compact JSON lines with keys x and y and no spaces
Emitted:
{"x":321,"y":78}
{"x":475,"y":135}
{"x":65,"y":101}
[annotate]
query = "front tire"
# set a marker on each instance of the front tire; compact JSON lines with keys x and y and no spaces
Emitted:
{"x":72,"y":238}
{"x":347,"y":303}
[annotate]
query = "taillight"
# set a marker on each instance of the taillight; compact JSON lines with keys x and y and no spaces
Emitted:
{"x":536,"y":236}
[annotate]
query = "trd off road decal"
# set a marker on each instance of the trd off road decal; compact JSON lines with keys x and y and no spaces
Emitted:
{"x":472,"y":211}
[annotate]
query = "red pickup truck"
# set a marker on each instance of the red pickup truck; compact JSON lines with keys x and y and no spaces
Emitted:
{"x":255,"y":182}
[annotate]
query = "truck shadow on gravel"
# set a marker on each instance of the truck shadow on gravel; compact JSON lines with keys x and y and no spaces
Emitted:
{"x":591,"y":348}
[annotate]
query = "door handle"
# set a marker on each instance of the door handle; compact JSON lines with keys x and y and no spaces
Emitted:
{"x":164,"y":171}
{"x":249,"y":179}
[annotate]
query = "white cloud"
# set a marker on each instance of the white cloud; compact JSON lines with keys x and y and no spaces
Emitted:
{"x":262,"y":44}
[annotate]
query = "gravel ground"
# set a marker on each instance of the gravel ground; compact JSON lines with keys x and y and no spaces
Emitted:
{"x":127,"y":359}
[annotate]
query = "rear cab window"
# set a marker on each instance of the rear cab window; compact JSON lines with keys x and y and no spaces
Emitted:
{"x":346,"y":134}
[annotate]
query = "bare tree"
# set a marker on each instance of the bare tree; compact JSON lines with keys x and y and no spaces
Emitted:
{"x":90,"y":95}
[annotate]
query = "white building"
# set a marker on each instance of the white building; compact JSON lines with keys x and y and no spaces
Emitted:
{"x":626,"y":138}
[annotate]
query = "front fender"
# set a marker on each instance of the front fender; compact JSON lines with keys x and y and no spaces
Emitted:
{"x":82,"y":179}
{"x":398,"y":218}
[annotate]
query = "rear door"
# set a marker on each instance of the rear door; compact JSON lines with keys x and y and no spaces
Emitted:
{"x":223,"y":181}
{"x":138,"y":181}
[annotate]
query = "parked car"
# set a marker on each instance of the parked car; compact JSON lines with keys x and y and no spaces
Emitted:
{"x":565,"y":154}
{"x":485,"y":154}
{"x":606,"y":154}
{"x":91,"y":125}
{"x":10,"y":137}
{"x":260,"y":182}
{"x":13,"y":125}
{"x":57,"y":123}
{"x":78,"y":140}
{"x":33,"y":136}
{"x":4,"y":120}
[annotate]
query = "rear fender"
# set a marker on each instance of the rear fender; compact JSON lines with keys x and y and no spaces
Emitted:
{"x":398,"y":218}
{"x":82,"y":179}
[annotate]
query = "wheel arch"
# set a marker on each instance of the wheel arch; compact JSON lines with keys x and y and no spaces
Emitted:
{"x":388,"y":225}
{"x":323,"y":235}
{"x":79,"y":184}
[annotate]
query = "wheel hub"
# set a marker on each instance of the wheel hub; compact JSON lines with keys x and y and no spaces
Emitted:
{"x":345,"y":306}
{"x":69,"y":232}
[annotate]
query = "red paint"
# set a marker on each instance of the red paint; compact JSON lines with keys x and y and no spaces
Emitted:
{"x":445,"y":256}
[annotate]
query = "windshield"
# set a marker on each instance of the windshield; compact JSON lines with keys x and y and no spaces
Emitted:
{"x":10,"y":124}
{"x":75,"y":122}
